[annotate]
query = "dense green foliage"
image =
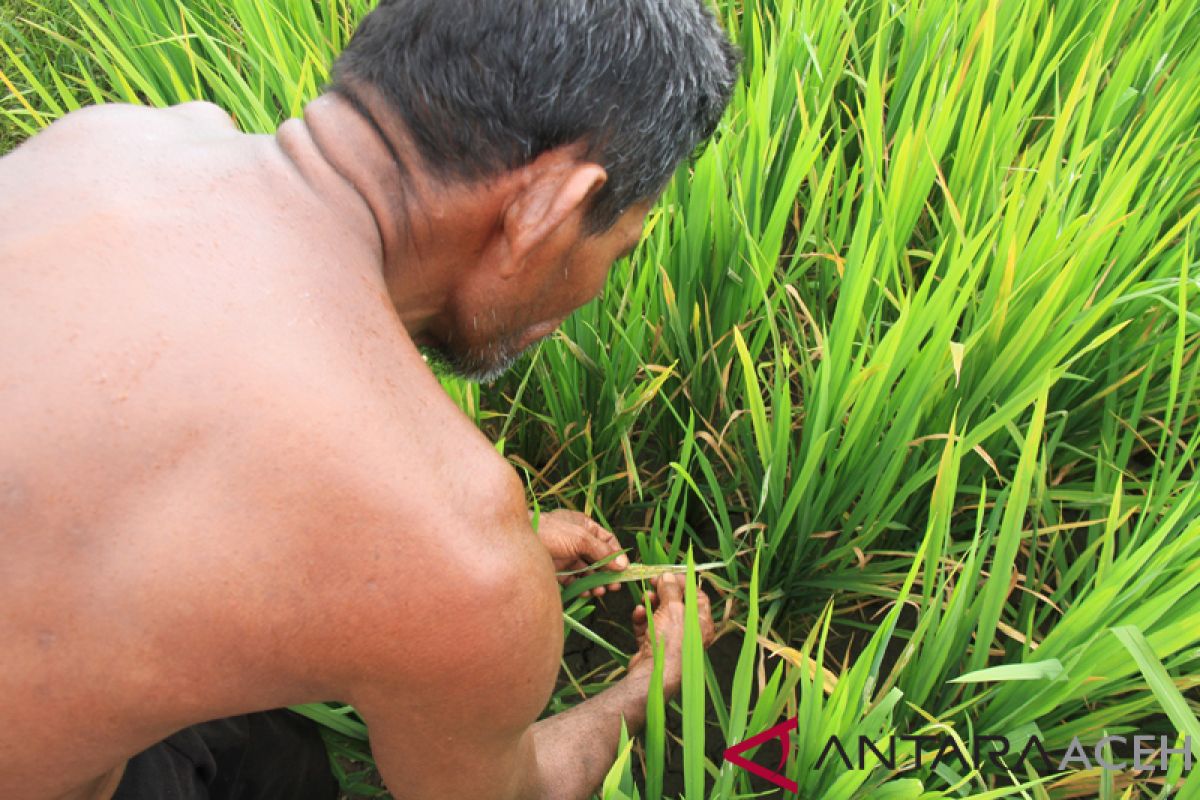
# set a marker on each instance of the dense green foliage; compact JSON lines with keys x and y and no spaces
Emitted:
{"x":915,"y":338}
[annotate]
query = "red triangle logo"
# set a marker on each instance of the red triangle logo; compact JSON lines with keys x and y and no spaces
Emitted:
{"x":782,"y":731}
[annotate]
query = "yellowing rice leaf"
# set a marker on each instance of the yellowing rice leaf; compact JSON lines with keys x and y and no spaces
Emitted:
{"x":634,"y":572}
{"x":956,"y":355}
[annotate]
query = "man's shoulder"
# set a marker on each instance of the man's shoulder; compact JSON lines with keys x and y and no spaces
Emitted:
{"x":425,"y":527}
{"x":391,"y":508}
{"x":196,"y":117}
{"x":381,"y":443}
{"x":113,"y":128}
{"x":151,"y":168}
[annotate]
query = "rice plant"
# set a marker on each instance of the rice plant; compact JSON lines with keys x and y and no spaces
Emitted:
{"x":907,"y":360}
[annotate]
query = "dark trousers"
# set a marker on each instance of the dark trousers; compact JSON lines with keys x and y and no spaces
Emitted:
{"x":274,"y":755}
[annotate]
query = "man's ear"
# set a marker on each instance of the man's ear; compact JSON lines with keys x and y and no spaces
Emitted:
{"x":554,"y":196}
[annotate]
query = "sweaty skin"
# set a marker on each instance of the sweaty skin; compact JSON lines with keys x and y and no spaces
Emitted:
{"x":229,"y":482}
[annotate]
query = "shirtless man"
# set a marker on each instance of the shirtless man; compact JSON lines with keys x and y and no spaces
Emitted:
{"x":230,"y":483}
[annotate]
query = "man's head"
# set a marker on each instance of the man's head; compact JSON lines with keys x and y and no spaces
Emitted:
{"x":571,"y":115}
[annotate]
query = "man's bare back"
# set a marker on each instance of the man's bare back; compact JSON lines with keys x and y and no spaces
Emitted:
{"x":200,"y":368}
{"x":229,"y":482}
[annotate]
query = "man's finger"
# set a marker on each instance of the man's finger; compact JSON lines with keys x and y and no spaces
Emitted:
{"x":600,"y":532}
{"x":596,"y":550}
{"x":619,"y":563}
{"x":609,"y":540}
{"x":639,"y":622}
{"x":670,"y":589}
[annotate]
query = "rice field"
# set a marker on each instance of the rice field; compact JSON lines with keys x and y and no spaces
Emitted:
{"x":907,"y":362}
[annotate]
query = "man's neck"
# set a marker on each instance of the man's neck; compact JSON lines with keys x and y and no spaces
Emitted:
{"x":374,"y":194}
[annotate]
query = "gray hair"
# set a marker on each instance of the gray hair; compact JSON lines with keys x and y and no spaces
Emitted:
{"x":485,"y":86}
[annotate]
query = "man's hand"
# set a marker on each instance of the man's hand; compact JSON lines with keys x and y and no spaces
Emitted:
{"x":576,"y":542}
{"x":668,"y":604}
{"x":576,"y":747}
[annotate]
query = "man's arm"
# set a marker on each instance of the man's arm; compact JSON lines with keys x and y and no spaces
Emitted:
{"x":575,"y":749}
{"x":459,"y":717}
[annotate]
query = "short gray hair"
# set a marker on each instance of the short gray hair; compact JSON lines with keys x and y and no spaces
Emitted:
{"x":485,"y":86}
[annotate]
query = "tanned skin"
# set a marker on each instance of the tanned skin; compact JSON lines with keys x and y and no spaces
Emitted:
{"x":228,"y":479}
